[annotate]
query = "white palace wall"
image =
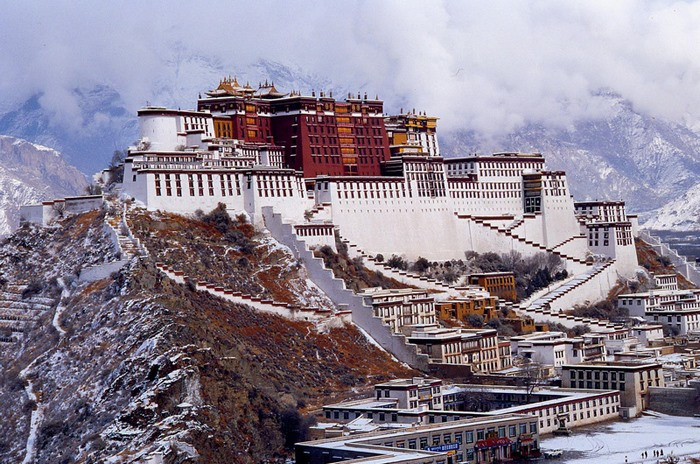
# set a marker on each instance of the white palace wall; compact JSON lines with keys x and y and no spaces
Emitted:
{"x":429,"y":227}
{"x":241,"y":191}
{"x":422,"y":213}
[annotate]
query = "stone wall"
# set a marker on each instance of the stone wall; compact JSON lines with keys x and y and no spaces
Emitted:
{"x":336,"y":290}
{"x":689,"y":270}
{"x":675,"y":401}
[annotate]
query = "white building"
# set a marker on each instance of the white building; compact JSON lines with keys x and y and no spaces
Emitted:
{"x":553,"y":407}
{"x":678,"y":309}
{"x":666,"y":281}
{"x":647,"y":334}
{"x":417,"y":392}
{"x":608,"y":230}
{"x":557,"y":349}
{"x":477,"y":348}
{"x":399,"y":307}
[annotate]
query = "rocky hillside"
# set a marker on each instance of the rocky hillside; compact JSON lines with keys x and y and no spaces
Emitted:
{"x":135,"y":366}
{"x":31,"y":173}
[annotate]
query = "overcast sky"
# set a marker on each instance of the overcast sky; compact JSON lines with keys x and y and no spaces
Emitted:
{"x":488,"y":66}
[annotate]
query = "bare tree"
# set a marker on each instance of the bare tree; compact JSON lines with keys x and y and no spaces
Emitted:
{"x":93,"y":189}
{"x":533,"y":374}
{"x":116,"y":167}
{"x":59,"y":208}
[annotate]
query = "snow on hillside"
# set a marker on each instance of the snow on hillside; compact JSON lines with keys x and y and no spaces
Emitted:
{"x":137,"y":368}
{"x":30,"y":173}
{"x":681,"y":214}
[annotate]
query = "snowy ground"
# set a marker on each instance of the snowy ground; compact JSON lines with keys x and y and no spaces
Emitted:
{"x":621,"y":442}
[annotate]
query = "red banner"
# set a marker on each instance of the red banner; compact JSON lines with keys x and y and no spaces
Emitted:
{"x":493,"y":442}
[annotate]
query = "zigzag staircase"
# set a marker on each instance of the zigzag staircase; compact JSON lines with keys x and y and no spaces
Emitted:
{"x":539,"y":307}
{"x":483,"y":221}
{"x":124,"y":241}
{"x":406,"y":277}
{"x":337,"y":291}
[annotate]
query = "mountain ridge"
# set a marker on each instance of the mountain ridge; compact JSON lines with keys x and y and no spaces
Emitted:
{"x":31,"y":173}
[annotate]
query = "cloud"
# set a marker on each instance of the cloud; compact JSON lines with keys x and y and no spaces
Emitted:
{"x":484,"y":66}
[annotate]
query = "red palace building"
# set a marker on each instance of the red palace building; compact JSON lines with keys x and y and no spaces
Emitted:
{"x":320,"y":136}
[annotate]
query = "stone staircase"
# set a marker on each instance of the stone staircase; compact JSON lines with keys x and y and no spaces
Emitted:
{"x":543,"y":305}
{"x":19,"y":315}
{"x":536,"y":307}
{"x":129,"y":245}
{"x":482,"y":221}
{"x":362,"y":313}
{"x":517,"y":223}
{"x":405,"y":277}
{"x":568,"y":240}
{"x":319,"y":212}
{"x":686,"y":268}
{"x":124,"y":241}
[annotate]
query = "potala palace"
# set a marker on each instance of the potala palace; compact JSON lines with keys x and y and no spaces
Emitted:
{"x":313,"y":173}
{"x":379,"y":180}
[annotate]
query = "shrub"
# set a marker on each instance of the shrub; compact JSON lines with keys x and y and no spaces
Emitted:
{"x":397,"y":262}
{"x":379,"y":258}
{"x":450,"y":277}
{"x":295,"y":427}
{"x":505,"y":330}
{"x":421,"y":265}
{"x":34,"y":288}
{"x":475,"y":321}
{"x":579,"y":330}
{"x":219,"y":218}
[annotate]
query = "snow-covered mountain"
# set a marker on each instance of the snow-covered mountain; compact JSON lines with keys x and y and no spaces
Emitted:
{"x":30,"y":173}
{"x":101,"y":125}
{"x":681,"y":214}
{"x":627,"y":155}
